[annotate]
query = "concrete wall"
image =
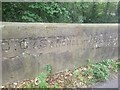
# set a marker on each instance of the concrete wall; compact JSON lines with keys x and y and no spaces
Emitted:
{"x":28,"y":47}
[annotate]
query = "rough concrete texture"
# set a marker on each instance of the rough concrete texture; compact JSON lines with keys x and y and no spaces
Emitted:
{"x":28,"y":47}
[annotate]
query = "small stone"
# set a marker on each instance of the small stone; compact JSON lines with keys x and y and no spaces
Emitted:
{"x":2,"y":87}
{"x":85,"y":69}
{"x":65,"y":77}
{"x":61,"y":75}
{"x":32,"y":80}
{"x":15,"y":83}
{"x":23,"y":83}
{"x":14,"y":87}
{"x":80,"y":83}
{"x":70,"y":74}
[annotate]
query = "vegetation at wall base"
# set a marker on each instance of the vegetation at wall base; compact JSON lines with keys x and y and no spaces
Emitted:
{"x":81,"y":77}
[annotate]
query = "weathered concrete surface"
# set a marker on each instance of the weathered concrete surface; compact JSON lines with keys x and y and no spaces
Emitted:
{"x":28,"y":47}
{"x":109,"y":84}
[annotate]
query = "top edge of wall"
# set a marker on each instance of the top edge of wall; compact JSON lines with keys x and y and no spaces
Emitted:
{"x":23,"y":23}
